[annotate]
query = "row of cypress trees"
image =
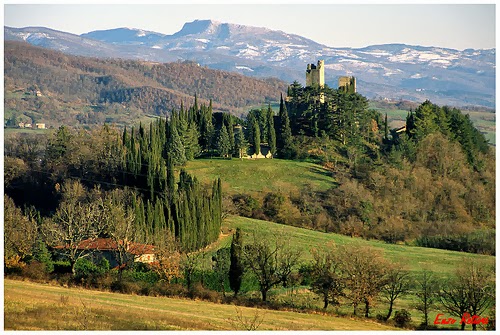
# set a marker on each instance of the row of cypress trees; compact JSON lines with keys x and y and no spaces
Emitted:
{"x":187,"y":211}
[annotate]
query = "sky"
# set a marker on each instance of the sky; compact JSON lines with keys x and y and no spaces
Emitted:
{"x":453,"y":26}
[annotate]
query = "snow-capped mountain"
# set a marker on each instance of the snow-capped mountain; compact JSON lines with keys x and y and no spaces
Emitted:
{"x":445,"y":76}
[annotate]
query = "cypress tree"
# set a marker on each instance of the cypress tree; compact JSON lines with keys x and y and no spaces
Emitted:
{"x":256,"y":138}
{"x":175,"y":149}
{"x":271,"y":133}
{"x":236,"y":268}
{"x":284,"y":145}
{"x":386,"y":130}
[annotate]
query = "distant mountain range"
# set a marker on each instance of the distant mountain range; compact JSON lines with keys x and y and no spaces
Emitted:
{"x":396,"y":71}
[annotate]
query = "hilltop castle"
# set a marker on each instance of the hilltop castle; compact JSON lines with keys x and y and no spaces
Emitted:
{"x":348,"y":84}
{"x":315,"y":76}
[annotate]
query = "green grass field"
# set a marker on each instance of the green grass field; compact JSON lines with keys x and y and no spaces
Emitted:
{"x":261,"y":175}
{"x":31,"y":306}
{"x":442,"y":262}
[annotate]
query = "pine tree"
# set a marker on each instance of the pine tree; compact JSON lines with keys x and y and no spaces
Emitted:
{"x":240,"y":143}
{"x":223,"y":143}
{"x":236,"y":268}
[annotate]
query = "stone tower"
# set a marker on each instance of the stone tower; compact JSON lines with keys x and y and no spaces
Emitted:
{"x":348,"y":84}
{"x":315,"y":74}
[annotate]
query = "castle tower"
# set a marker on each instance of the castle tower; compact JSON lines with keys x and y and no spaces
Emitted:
{"x":315,"y":75}
{"x":348,"y":84}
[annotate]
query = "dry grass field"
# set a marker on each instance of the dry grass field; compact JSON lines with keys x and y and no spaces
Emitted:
{"x":32,"y":306}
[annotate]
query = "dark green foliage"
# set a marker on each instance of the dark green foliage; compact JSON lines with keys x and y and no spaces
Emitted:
{"x":85,"y":269}
{"x":175,"y":147}
{"x":452,"y":123}
{"x":221,"y":266}
{"x":236,"y":268}
{"x":42,"y":255}
{"x":271,"y":133}
{"x":284,"y":141}
{"x":240,"y":143}
{"x":256,"y":138}
{"x":479,"y":241}
{"x":223,"y":142}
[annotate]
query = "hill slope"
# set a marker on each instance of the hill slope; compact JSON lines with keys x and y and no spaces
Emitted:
{"x":87,"y":88}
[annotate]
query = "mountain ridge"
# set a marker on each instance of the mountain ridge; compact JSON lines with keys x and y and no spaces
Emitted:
{"x":394,"y":71}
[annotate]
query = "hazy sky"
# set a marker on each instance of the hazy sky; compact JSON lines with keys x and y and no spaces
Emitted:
{"x":336,"y":25}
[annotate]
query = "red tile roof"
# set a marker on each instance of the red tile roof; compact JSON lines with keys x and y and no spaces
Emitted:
{"x":105,"y":244}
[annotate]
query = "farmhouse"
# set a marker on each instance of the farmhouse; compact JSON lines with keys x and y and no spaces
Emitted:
{"x":108,"y":248}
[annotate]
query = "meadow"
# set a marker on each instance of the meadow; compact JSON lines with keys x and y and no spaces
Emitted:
{"x":263,"y":175}
{"x":33,"y":306}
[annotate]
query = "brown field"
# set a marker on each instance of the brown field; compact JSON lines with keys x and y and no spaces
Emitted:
{"x":32,"y":306}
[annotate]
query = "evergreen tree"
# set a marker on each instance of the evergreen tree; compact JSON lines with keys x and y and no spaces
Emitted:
{"x":175,"y":149}
{"x":284,"y":145}
{"x":240,"y":143}
{"x":256,"y":138}
{"x":223,"y":143}
{"x":386,"y":129}
{"x":271,"y":133}
{"x":236,"y":268}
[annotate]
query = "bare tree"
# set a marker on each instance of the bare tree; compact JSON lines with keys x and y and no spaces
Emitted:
{"x":365,"y":271}
{"x":397,"y":284}
{"x":470,"y":291}
{"x":167,"y":256}
{"x":426,"y":292}
{"x":119,"y":224}
{"x":79,"y":217}
{"x":271,"y":260}
{"x":20,"y":232}
{"x":327,"y":278}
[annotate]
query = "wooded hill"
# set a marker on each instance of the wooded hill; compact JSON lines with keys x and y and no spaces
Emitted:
{"x":80,"y":90}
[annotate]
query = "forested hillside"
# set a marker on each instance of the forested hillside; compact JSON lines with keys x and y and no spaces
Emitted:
{"x":80,"y":91}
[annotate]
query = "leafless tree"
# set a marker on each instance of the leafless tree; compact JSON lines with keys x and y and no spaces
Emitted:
{"x":365,"y":271}
{"x":79,"y":217}
{"x":328,"y":280}
{"x":20,"y":232}
{"x":397,"y":284}
{"x":271,"y":259}
{"x":426,"y":292}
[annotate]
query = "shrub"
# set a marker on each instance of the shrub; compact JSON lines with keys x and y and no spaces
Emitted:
{"x":86,"y":270}
{"x":35,"y":270}
{"x":62,"y":267}
{"x":245,"y":204}
{"x":42,"y":255}
{"x":402,"y":318}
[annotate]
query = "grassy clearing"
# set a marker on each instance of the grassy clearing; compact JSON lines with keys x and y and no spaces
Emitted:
{"x":417,"y":259}
{"x":261,"y":175}
{"x":442,"y":263}
{"x":30,"y":306}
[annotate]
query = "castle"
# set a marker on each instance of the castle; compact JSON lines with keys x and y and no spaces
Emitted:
{"x":315,"y":76}
{"x":348,"y":84}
